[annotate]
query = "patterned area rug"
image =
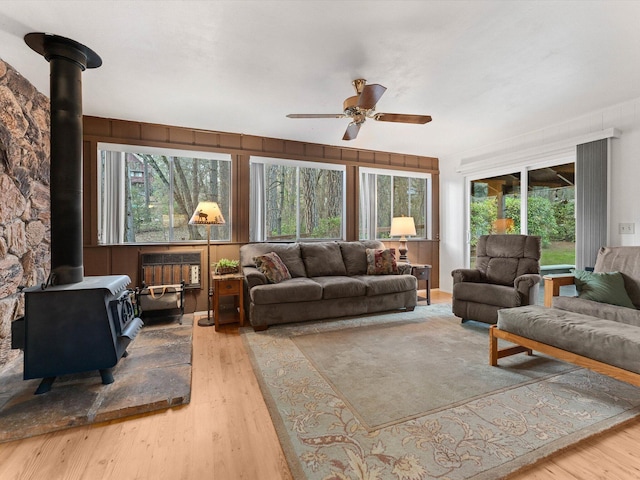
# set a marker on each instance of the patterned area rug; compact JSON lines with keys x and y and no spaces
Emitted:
{"x":410,"y":396}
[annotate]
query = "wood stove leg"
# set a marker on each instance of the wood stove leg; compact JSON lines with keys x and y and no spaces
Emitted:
{"x":45,"y":385}
{"x":107,"y":376}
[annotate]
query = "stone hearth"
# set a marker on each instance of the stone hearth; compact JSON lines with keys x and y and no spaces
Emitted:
{"x":155,"y":375}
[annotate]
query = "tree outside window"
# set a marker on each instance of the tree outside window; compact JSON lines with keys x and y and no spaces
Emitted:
{"x":301,"y":200}
{"x":148,"y":197}
{"x":386,"y":194}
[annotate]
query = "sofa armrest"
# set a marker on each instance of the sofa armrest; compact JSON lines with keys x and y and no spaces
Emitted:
{"x":253,"y":277}
{"x":552,"y":284}
{"x":404,"y":268}
{"x":467,"y":275}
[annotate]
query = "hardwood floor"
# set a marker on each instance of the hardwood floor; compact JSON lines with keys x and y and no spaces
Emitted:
{"x":225,"y":433}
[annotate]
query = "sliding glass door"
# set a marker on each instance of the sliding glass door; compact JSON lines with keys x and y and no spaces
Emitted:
{"x":551,"y":213}
{"x":496,"y":205}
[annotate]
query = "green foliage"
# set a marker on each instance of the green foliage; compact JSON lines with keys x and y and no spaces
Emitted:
{"x":328,"y":228}
{"x":552,"y":221}
{"x":540,"y":217}
{"x":559,"y":253}
{"x":564,"y":213}
{"x":226,"y":263}
{"x":483,"y":214}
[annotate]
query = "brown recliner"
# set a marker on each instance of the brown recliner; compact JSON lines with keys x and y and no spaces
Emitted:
{"x":507,"y":275}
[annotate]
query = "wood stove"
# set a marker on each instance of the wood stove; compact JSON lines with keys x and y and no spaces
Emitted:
{"x":72,"y":324}
{"x":76,"y":328}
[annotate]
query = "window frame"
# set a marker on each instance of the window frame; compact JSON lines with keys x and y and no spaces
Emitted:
{"x":254,"y":229}
{"x":373,"y":221}
{"x":171,"y":153}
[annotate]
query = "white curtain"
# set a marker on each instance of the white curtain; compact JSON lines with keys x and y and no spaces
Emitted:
{"x":368,"y":205}
{"x":111,"y":207}
{"x":257,"y":214}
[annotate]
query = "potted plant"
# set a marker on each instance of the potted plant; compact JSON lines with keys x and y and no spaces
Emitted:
{"x":225,"y":266}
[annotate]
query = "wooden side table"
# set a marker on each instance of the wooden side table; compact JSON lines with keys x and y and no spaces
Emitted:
{"x":423,"y":272}
{"x":227,"y":285}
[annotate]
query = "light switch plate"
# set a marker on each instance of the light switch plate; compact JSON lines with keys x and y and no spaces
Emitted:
{"x":626,"y":228}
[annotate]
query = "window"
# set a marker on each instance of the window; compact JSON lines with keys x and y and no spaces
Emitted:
{"x":295,"y":200}
{"x":385,"y":194}
{"x":147,"y":195}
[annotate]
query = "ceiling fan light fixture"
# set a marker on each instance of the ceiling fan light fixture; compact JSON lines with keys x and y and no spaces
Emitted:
{"x":361,"y":106}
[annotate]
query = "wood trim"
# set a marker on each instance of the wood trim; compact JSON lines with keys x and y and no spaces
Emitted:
{"x":122,"y":259}
{"x":152,"y":135}
{"x":552,"y":284}
{"x":526,"y":343}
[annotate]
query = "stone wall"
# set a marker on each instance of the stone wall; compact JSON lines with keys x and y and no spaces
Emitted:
{"x":25,"y":227}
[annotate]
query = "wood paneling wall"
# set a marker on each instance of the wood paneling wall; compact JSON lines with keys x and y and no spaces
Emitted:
{"x":123,"y":259}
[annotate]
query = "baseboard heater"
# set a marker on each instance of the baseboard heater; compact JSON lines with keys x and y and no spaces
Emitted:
{"x":171,"y":268}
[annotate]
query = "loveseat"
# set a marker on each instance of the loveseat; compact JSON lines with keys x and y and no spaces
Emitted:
{"x":599,"y":329}
{"x":327,"y":280}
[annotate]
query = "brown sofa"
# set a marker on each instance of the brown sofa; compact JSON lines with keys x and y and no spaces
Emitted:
{"x":329,"y":280}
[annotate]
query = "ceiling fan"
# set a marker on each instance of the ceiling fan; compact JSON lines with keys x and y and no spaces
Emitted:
{"x":362,"y":106}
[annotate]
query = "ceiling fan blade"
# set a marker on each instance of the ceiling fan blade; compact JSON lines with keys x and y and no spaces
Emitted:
{"x":402,"y":118}
{"x":316,"y":115}
{"x":370,"y":95}
{"x":352,"y":131}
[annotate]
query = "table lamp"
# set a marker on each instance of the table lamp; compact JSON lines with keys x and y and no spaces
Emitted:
{"x":402,"y":226}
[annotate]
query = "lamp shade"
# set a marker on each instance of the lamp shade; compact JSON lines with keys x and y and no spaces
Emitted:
{"x":207,"y":213}
{"x":502,"y":225}
{"x":401,"y":226}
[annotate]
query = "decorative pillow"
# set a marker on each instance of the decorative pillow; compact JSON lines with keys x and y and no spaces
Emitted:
{"x":381,"y":262}
{"x":272,"y":266}
{"x":602,"y":287}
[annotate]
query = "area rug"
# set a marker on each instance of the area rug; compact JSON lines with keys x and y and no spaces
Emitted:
{"x":155,"y":375}
{"x":410,"y":396}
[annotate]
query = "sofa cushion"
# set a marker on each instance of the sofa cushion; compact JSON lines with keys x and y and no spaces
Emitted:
{"x":354,"y":257}
{"x":603,"y":340}
{"x":384,"y":284}
{"x":486,"y":293}
{"x":289,"y":253}
{"x":322,"y":259}
{"x":341,"y":287}
{"x":605,"y":287}
{"x":294,"y":290}
{"x":272,"y":267}
{"x":381,"y":262}
{"x":630,"y":316}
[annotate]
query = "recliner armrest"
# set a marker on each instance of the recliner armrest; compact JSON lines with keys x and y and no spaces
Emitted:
{"x":468,"y":275}
{"x":525,"y":282}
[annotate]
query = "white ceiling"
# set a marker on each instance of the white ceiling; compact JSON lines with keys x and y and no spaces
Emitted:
{"x":484,"y":70}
